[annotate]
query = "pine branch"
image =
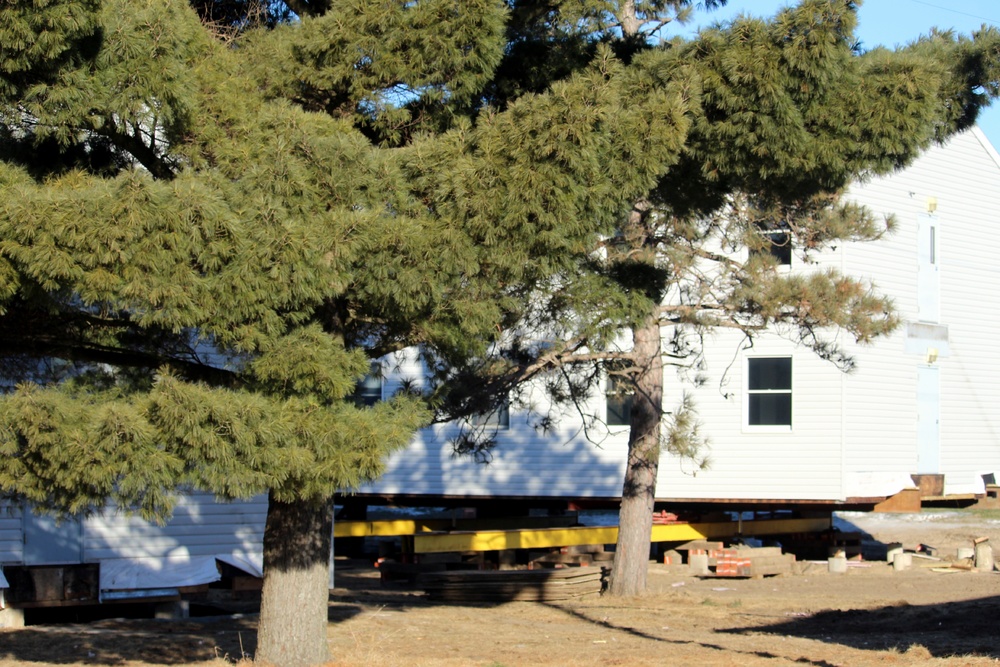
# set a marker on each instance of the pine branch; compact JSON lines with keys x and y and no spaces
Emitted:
{"x":157,"y":165}
{"x":72,"y":337}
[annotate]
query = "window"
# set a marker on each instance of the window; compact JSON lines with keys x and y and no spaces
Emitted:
{"x":499,"y":419}
{"x":778,"y":244}
{"x":769,"y":391}
{"x":368,"y":391}
{"x":619,"y":401}
{"x":780,"y":247}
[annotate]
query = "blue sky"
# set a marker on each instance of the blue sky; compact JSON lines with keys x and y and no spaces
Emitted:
{"x":892,"y":23}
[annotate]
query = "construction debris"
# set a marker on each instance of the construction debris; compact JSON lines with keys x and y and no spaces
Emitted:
{"x":984,"y":555}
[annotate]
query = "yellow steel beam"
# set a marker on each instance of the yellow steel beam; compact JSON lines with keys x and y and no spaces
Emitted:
{"x":400,"y":527}
{"x":387,"y":528}
{"x":548,"y":538}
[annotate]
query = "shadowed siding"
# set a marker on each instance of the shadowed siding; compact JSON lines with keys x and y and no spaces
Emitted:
{"x":11,"y":537}
{"x":199,"y":527}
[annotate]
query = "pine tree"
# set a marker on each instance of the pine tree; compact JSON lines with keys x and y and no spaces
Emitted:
{"x":785,"y":113}
{"x":207,"y":235}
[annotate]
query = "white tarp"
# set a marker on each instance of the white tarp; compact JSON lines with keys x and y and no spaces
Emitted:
{"x":875,"y":484}
{"x":3,"y":581}
{"x":252,"y":565}
{"x":148,"y":573}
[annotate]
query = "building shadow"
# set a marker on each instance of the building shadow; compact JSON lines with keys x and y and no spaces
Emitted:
{"x":966,"y":628}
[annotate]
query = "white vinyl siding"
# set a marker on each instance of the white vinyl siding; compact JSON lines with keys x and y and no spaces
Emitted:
{"x":962,"y":181}
{"x":764,"y":462}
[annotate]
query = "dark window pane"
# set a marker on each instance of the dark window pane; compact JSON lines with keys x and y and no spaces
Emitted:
{"x":499,"y":418}
{"x":778,"y":245}
{"x":781,"y":247}
{"x":619,"y":402}
{"x":770,"y":373}
{"x":619,"y":410}
{"x":770,"y":410}
{"x":368,"y":392}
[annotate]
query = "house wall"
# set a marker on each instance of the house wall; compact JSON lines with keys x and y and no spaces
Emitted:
{"x":755,"y":462}
{"x":527,"y":462}
{"x":962,"y":183}
{"x":853,"y":435}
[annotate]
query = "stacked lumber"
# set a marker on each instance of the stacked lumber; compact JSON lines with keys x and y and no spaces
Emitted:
{"x":503,"y":586}
{"x":558,"y":559}
{"x":579,"y":555}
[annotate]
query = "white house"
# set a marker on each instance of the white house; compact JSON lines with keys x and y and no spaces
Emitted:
{"x":785,"y":425}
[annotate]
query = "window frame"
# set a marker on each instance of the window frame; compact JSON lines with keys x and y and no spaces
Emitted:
{"x":748,"y":393}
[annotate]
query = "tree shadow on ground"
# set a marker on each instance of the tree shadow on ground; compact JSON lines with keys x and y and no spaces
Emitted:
{"x":157,"y":642}
{"x":118,"y":641}
{"x":948,"y":629}
{"x":667,"y":641}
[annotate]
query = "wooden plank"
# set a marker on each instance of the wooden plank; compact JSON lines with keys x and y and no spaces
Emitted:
{"x":527,"y":585}
{"x":906,"y":501}
{"x":573,"y":559}
{"x":479,"y":577}
{"x":496,"y":540}
{"x":247,"y":583}
{"x":757,"y":552}
{"x":704,"y":545}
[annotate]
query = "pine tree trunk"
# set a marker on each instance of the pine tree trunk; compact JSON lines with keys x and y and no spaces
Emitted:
{"x":635,"y":518}
{"x":294,"y":603}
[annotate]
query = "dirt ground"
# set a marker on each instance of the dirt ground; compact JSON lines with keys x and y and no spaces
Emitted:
{"x":869,"y":616}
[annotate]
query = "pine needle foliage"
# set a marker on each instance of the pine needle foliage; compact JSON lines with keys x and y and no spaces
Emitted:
{"x":205,"y":237}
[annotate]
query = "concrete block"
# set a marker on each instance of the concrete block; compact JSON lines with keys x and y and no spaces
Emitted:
{"x":984,"y":557}
{"x":837,"y":564}
{"x":172,"y":610}
{"x":11,"y":617}
{"x":698,"y":564}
